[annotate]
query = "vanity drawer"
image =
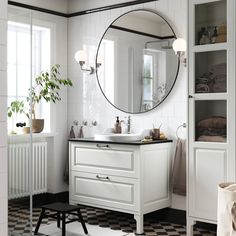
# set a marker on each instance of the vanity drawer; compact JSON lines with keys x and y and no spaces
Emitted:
{"x":104,"y":159}
{"x":111,"y":192}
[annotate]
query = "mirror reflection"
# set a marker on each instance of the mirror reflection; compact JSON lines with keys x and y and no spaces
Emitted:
{"x":138,"y":65}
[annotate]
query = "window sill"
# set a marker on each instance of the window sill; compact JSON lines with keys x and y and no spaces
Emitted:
{"x":12,"y":137}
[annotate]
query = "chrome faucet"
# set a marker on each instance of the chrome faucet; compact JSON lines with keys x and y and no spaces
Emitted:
{"x":129,"y":125}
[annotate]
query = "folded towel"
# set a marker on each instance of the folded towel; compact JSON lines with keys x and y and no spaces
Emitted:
{"x":212,"y":131}
{"x":217,"y":69}
{"x":202,"y":88}
{"x":219,"y":85}
{"x":213,"y":122}
{"x":179,"y":168}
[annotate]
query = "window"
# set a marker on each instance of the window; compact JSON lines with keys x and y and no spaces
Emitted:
{"x":148,"y":61}
{"x":107,"y":55}
{"x":19,"y":66}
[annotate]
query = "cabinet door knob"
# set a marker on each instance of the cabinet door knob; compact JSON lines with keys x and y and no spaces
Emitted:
{"x":190,"y":96}
{"x":102,"y":145}
{"x":102,"y":178}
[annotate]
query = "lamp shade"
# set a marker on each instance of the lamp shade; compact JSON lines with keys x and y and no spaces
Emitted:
{"x":80,"y":56}
{"x":179,"y":45}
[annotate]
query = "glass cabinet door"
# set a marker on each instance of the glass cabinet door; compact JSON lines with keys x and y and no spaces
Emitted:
{"x":211,"y":22}
{"x":210,"y":121}
{"x":209,"y":71}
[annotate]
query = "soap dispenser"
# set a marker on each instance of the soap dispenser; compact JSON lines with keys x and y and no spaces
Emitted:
{"x":117,"y":128}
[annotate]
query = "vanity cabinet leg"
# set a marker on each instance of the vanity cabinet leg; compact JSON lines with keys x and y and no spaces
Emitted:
{"x":139,"y":224}
{"x":190,"y":224}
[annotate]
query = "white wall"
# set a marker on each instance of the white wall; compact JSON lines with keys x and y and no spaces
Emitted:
{"x":55,"y":5}
{"x":3,"y":119}
{"x":86,"y":101}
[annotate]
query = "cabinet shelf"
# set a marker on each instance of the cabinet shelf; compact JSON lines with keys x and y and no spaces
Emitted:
{"x":210,"y":145}
{"x":210,"y":96}
{"x":210,"y":47}
{"x":196,"y":2}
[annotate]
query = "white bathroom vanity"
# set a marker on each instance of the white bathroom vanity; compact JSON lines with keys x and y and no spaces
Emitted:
{"x":131,"y":177}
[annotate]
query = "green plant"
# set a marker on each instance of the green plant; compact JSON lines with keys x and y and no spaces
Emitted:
{"x":17,"y":107}
{"x":46,"y":86}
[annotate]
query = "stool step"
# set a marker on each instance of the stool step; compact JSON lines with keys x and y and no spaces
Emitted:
{"x":61,"y":207}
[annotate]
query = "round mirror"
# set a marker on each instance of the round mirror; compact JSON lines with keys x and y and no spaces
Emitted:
{"x":136,"y":64}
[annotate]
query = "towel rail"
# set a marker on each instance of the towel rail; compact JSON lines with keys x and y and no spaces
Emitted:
{"x":184,"y":125}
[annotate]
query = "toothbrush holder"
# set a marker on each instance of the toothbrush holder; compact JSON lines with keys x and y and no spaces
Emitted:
{"x":155,"y":134}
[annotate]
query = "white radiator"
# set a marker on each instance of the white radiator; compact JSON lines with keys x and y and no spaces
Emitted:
{"x":19,"y":169}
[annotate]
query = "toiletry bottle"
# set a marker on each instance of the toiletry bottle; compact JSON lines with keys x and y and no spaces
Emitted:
{"x":117,"y":128}
{"x":81,"y":133}
{"x":214,"y":36}
{"x":200,"y":33}
{"x":72,"y":132}
{"x":205,"y":39}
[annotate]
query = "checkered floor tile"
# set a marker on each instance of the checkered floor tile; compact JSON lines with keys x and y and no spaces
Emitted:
{"x":19,"y":222}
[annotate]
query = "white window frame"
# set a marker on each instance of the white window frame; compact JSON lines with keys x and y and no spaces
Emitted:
{"x":52,"y":27}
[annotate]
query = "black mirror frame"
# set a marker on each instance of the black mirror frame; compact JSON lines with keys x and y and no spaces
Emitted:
{"x":177,"y":71}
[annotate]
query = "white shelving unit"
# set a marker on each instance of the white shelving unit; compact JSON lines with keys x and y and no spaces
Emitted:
{"x":210,"y":162}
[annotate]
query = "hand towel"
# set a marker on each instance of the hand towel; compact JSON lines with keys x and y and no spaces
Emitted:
{"x":66,"y":171}
{"x":179,"y":168}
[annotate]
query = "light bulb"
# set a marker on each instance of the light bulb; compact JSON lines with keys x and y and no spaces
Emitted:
{"x":80,"y":56}
{"x":179,"y":45}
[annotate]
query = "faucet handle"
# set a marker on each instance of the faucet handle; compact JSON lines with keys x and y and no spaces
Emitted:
{"x":128,"y":117}
{"x":128,"y":123}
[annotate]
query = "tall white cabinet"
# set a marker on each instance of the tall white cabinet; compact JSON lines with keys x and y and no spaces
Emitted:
{"x":211,"y":147}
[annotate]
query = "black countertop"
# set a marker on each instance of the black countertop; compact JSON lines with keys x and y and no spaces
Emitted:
{"x":92,"y":140}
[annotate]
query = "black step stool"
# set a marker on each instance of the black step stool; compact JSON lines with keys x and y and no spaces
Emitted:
{"x":61,"y":210}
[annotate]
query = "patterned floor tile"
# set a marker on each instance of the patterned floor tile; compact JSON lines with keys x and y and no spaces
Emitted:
{"x":19,"y":224}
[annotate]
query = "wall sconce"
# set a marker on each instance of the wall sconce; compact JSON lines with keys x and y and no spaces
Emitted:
{"x":81,"y":58}
{"x":179,"y":46}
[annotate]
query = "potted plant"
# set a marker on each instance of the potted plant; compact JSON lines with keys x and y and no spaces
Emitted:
{"x":46,"y":86}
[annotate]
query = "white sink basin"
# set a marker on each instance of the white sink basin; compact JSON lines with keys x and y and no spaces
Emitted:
{"x":119,"y":137}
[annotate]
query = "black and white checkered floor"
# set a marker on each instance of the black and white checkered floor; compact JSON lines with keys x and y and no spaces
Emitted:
{"x":19,"y":222}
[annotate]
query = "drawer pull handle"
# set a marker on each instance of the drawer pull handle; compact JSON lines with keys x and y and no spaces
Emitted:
{"x":102,"y":146}
{"x":102,"y":178}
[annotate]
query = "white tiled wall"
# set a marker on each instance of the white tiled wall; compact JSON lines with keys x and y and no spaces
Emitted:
{"x":3,"y":118}
{"x":86,"y":101}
